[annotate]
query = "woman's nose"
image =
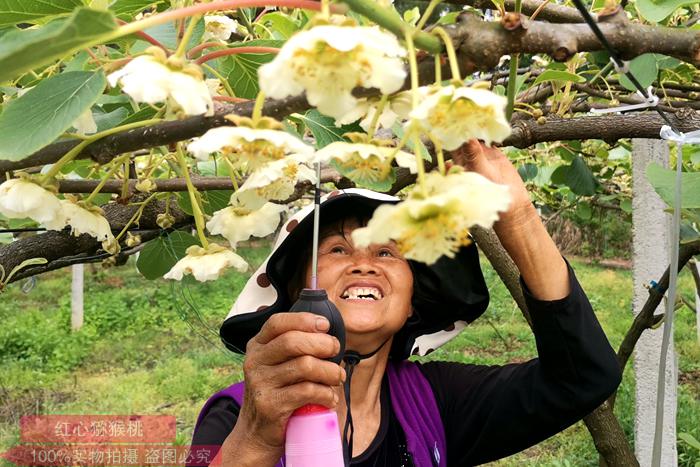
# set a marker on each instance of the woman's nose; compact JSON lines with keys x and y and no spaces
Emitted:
{"x":363,"y":264}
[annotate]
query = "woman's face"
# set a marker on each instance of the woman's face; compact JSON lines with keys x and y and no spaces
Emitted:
{"x":372,"y":287}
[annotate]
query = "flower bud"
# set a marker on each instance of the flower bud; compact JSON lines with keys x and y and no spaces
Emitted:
{"x":165,"y":221}
{"x":132,"y":240}
{"x":146,"y":185}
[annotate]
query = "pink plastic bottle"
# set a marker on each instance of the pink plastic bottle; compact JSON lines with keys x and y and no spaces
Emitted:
{"x":313,"y":438}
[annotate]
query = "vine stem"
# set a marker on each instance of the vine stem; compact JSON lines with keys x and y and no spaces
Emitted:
{"x":147,"y":37}
{"x":512,"y":78}
{"x":377,"y":113}
{"x":258,"y":108}
{"x":196,"y":210}
{"x":206,"y":45}
{"x":115,"y":166}
{"x":201,"y":8}
{"x":411,"y":131}
{"x":451,"y":54}
{"x":391,"y":20}
{"x":136,"y":216}
{"x":224,"y":82}
{"x":426,"y":14}
{"x":182,"y":46}
{"x":235,"y":51}
{"x":70,"y":155}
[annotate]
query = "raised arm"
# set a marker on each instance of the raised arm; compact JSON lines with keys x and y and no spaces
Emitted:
{"x":520,"y":229}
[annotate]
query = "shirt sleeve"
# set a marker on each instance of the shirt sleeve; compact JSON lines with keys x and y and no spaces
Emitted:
{"x":216,"y":425}
{"x":490,"y":412}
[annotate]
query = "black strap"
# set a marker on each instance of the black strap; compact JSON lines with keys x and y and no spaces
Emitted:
{"x":351,"y":359}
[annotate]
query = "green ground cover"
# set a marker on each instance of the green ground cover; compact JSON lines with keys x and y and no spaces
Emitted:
{"x":148,"y":347}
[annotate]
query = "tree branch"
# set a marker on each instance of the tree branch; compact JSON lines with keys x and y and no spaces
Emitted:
{"x":645,"y":318}
{"x":481,"y":44}
{"x":609,"y":128}
{"x":551,"y":12}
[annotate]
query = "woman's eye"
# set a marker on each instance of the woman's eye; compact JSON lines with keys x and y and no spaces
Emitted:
{"x":337,"y":249}
{"x":385,"y":253}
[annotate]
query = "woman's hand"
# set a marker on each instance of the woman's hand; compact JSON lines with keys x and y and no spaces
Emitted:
{"x":520,"y":229}
{"x":494,"y":165}
{"x":283,"y":370}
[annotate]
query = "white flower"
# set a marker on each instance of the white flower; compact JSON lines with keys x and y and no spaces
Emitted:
{"x":366,"y":164}
{"x":453,"y":116}
{"x":328,"y":62}
{"x":20,"y":198}
{"x":240,"y":221}
{"x":218,"y":27}
{"x":86,"y":221}
{"x":396,"y":108}
{"x":277,"y":180}
{"x":148,"y":80}
{"x":251,"y":148}
{"x":206,"y":264}
{"x":85,"y":123}
{"x":428,"y":226}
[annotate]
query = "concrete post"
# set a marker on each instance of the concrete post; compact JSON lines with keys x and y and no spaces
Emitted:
{"x":651,"y":257}
{"x":76,"y":317}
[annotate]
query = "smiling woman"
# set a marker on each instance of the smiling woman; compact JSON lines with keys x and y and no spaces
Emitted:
{"x":405,"y":413}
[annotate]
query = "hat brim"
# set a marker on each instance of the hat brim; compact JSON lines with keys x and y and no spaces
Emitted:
{"x":449,"y":291}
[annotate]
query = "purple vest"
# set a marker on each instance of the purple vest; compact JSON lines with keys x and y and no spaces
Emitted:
{"x":414,"y":405}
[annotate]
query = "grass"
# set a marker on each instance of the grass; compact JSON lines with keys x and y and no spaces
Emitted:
{"x":150,"y":347}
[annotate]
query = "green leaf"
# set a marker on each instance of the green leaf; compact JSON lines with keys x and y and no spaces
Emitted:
{"x":658,"y":10}
{"x":584,"y":211}
{"x":375,"y":185}
{"x":690,"y":440}
{"x":34,"y":11}
{"x":281,"y":25}
{"x":645,"y":68}
{"x":527,"y":171}
{"x":626,"y":205}
{"x":664,"y":182}
{"x":160,"y":255}
{"x":168,"y":35}
{"x":558,"y":75}
{"x":212,"y":201}
{"x":577,"y":176}
{"x":126,"y":9}
{"x":107,"y":120}
{"x":46,"y":111}
{"x":241,"y":70}
{"x":323,"y":128}
{"x":25,"y":49}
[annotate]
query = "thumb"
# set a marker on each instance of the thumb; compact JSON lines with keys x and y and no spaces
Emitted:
{"x":470,"y":155}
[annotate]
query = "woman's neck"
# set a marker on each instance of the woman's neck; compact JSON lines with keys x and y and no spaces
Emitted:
{"x":365,"y":393}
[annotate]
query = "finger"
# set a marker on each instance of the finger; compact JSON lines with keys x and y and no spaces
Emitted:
{"x":307,"y":368}
{"x":469,"y":154}
{"x":300,"y":394}
{"x":279,"y":323}
{"x":294,"y":344}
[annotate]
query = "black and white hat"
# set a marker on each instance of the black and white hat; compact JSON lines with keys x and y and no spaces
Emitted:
{"x":447,"y":295}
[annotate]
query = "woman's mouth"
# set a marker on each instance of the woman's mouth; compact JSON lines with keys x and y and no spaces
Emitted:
{"x":361,"y":293}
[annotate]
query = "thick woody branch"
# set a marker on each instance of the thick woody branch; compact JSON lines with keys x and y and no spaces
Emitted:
{"x":551,"y":12}
{"x":481,"y":44}
{"x":645,"y":318}
{"x":62,"y":249}
{"x":609,"y":128}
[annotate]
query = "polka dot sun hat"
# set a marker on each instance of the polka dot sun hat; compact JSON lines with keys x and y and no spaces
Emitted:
{"x":447,"y":295}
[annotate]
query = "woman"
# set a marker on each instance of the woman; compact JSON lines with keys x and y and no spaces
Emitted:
{"x":437,"y":413}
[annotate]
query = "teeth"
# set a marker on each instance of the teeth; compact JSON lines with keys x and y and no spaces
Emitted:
{"x":362,"y":293}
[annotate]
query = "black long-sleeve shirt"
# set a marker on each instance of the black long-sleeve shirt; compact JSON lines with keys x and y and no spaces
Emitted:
{"x":490,"y":412}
